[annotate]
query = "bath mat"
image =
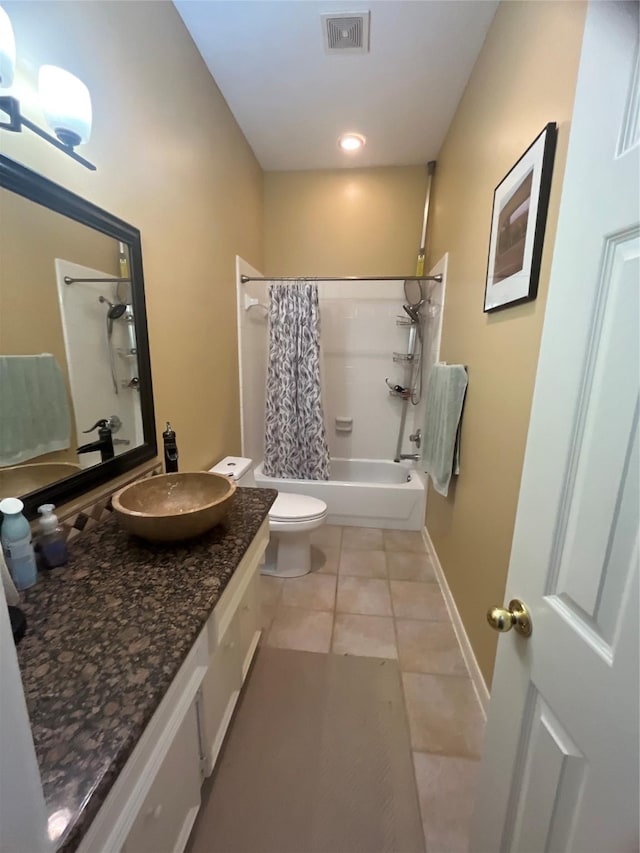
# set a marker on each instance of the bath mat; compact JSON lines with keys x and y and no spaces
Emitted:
{"x":318,"y":760}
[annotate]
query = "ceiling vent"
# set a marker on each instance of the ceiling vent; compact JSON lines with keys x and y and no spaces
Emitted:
{"x":346,"y":32}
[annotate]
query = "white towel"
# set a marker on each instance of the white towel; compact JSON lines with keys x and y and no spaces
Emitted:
{"x":34,"y":410}
{"x":444,"y":401}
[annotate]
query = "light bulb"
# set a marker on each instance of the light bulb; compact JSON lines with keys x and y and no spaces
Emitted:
{"x":66,"y":104}
{"x":7,"y":51}
{"x":351,"y":142}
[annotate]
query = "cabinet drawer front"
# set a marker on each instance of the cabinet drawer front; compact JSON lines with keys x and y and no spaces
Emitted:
{"x":231,"y":598}
{"x":169,"y":809}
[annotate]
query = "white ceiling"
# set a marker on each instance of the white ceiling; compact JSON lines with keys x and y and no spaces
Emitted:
{"x":292,"y":100}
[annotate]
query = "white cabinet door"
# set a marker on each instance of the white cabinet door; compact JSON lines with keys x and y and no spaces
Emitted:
{"x":219,"y":693}
{"x":170,"y":808}
{"x":249,"y":623}
{"x":233,"y":633}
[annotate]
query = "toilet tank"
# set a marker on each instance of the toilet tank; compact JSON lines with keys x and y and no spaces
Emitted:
{"x":238,"y":468}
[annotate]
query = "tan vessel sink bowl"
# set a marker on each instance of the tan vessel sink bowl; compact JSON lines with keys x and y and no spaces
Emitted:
{"x":171,"y":507}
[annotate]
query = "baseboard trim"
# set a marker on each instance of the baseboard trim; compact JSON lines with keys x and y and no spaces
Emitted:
{"x":475,"y":674}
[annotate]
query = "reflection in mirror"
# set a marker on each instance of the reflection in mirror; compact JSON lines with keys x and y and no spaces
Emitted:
{"x":71,"y":370}
{"x":101,"y":355}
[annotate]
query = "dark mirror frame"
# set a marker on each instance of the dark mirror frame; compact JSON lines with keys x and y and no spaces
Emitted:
{"x":41,"y":190}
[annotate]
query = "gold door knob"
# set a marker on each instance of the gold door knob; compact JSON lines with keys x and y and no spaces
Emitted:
{"x":517,"y":616}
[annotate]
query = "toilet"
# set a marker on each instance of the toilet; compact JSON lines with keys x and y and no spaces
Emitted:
{"x":291,"y":520}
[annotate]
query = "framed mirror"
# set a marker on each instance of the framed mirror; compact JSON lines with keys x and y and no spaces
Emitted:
{"x":76,"y":399}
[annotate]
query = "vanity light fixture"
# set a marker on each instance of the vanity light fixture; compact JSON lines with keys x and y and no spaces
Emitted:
{"x":65,"y":101}
{"x":351,"y":142}
{"x":66,"y":104}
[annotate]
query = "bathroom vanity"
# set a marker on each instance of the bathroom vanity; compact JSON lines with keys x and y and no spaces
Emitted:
{"x":132,"y":664}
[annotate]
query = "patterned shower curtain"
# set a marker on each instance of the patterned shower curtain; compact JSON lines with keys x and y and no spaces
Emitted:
{"x":295,"y":444}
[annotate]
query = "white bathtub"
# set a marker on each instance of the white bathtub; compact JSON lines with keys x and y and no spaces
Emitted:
{"x":363,"y":493}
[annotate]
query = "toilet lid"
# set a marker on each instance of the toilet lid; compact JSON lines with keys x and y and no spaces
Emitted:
{"x":290,"y":507}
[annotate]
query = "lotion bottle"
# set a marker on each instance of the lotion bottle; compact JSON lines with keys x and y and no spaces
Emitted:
{"x":15,"y":536}
{"x":51,"y":542}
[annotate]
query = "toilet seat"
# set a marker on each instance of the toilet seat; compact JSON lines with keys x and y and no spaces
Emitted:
{"x":296,"y":509}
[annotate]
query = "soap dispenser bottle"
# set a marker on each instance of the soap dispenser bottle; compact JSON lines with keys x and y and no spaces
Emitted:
{"x":51,"y":541}
{"x":170,"y":450}
{"x":15,"y":535}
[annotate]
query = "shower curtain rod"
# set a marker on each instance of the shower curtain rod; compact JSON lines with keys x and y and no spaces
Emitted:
{"x":70,"y":280}
{"x":245,"y":278}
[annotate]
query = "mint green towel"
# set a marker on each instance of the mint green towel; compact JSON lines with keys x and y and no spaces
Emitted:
{"x":440,"y":449}
{"x":34,"y":410}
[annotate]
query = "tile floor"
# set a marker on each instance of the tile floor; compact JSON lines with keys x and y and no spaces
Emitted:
{"x":375,"y":593}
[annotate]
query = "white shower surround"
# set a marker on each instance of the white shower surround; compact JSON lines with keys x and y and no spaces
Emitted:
{"x":83,"y":320}
{"x":359,"y":336}
{"x":363,"y":493}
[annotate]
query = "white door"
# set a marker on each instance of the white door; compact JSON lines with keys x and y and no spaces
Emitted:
{"x":560,"y":766}
{"x":23,"y":813}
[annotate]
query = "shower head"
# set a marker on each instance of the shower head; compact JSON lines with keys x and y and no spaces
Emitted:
{"x":115,"y":311}
{"x":414,"y":312}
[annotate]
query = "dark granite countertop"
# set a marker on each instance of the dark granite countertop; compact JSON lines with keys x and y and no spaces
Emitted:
{"x":106,"y":635}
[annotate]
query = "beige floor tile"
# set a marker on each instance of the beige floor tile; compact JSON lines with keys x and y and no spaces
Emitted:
{"x":368,"y":636}
{"x":444,"y":715}
{"x":304,"y":630}
{"x":362,"y":538}
{"x":429,"y":647}
{"x":270,"y":589}
{"x":410,"y":566}
{"x":328,"y":534}
{"x":368,"y":596}
{"x":312,"y":591}
{"x":446,"y":788}
{"x":267,"y":613}
{"x":363,"y":564}
{"x":404,"y":540}
{"x":325,"y":559}
{"x":418,"y":601}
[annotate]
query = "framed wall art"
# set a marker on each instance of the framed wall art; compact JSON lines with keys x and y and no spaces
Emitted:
{"x":519,"y":217}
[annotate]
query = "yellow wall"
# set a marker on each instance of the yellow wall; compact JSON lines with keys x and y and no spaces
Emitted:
{"x":172,"y":161}
{"x":343,"y":221}
{"x":525,"y":77}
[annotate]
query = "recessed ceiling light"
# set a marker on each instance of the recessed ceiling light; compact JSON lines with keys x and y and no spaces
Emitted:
{"x":351,"y":142}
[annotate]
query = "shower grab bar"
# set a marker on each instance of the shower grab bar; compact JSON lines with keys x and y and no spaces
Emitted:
{"x":292,"y":278}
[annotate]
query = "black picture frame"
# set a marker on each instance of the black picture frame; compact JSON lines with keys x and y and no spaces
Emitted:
{"x":518,"y":222}
{"x":41,"y":190}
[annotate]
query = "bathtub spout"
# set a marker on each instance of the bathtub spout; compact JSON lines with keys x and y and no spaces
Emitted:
{"x":414,"y":457}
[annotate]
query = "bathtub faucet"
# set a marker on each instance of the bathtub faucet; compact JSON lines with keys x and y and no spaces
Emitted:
{"x":414,"y":457}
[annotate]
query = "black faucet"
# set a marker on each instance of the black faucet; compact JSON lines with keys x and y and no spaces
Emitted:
{"x":104,"y":443}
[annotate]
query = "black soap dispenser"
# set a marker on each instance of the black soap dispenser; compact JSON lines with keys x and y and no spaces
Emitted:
{"x":170,"y":450}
